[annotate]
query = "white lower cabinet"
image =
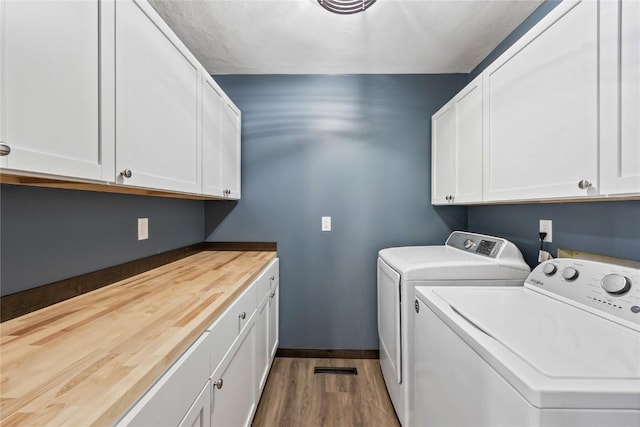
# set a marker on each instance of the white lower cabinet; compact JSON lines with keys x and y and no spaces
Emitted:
{"x":273,"y":331}
{"x":267,"y":323}
{"x":233,"y":397}
{"x":199,"y":415}
{"x":231,"y":360}
{"x":170,"y":398}
{"x":262,"y":342}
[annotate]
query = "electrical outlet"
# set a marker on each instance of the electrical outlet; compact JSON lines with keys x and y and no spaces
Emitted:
{"x":326,"y":223}
{"x":143,"y":228}
{"x":546,"y":226}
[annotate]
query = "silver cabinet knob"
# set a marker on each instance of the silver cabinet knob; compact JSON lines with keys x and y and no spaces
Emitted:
{"x":219,"y":384}
{"x":584,"y":184}
{"x":4,"y":149}
{"x":126,"y":173}
{"x":242,"y":315}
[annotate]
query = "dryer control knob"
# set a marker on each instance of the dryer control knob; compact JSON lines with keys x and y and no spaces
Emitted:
{"x":570,"y":273}
{"x":615,"y":284}
{"x":468,"y":243}
{"x":549,"y":269}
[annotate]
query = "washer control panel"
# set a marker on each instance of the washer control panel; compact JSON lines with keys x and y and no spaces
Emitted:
{"x":476,"y":243}
{"x":608,"y":289}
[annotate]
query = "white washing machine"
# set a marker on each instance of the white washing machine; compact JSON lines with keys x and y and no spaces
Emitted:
{"x":564,"y":350}
{"x":464,"y":259}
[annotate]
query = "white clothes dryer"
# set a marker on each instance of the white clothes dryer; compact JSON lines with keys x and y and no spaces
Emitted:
{"x":564,"y":350}
{"x":465,"y":259}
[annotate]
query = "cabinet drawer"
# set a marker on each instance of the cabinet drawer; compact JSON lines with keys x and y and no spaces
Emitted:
{"x":169,"y":399}
{"x":229,"y":325}
{"x":267,"y":280}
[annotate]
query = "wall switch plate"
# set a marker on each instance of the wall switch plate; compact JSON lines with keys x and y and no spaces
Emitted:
{"x":143,"y":228}
{"x":326,"y":223}
{"x":546,"y":226}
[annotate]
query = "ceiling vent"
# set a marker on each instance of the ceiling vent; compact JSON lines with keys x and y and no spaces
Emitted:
{"x":346,"y":7}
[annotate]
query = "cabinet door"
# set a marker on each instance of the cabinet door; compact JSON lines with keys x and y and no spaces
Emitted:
{"x":212,"y":105}
{"x":541,"y":97}
{"x":170,"y":398}
{"x":199,"y":415}
{"x":234,"y":402}
{"x":262,"y":344}
{"x":157,"y":103}
{"x":468,"y":154}
{"x":443,"y":146}
{"x":273,"y":336}
{"x":620,"y":92}
{"x":231,"y":150}
{"x":50,"y":82}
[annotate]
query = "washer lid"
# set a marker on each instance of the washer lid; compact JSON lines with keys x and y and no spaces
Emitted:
{"x":572,"y":358}
{"x":447,"y":263}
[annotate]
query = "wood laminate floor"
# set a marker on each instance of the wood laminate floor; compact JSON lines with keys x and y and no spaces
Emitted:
{"x":295,"y":396}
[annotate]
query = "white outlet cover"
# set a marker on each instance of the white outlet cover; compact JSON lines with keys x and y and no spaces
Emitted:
{"x":546,"y":226}
{"x":326,"y":223}
{"x":143,"y":228}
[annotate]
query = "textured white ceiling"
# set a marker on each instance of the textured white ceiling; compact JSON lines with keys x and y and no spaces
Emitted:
{"x":300,"y":37}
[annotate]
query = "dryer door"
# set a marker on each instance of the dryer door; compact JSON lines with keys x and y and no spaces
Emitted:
{"x":389,"y":321}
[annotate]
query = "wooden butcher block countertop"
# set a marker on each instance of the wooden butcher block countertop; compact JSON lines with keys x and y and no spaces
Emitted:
{"x":84,"y":361}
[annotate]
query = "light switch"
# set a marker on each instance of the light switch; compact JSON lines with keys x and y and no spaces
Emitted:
{"x":326,"y":223}
{"x":143,"y":228}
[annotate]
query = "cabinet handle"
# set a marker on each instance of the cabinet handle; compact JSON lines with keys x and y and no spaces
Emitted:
{"x":219,"y":384}
{"x":4,"y":149}
{"x":126,"y":173}
{"x":272,"y":278}
{"x":584,"y":184}
{"x":243,"y":315}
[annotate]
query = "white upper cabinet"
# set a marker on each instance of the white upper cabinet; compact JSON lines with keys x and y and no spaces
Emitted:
{"x":212,"y":105}
{"x":541,"y":103}
{"x":50,"y":83}
{"x":457,"y":148}
{"x":443,"y":150}
{"x":231,"y":126}
{"x":620,"y":94}
{"x":221,"y":122}
{"x":157,"y":103}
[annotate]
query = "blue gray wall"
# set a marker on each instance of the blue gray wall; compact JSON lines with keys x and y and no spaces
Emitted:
{"x":355,"y":148}
{"x":608,"y":228}
{"x":50,"y":234}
